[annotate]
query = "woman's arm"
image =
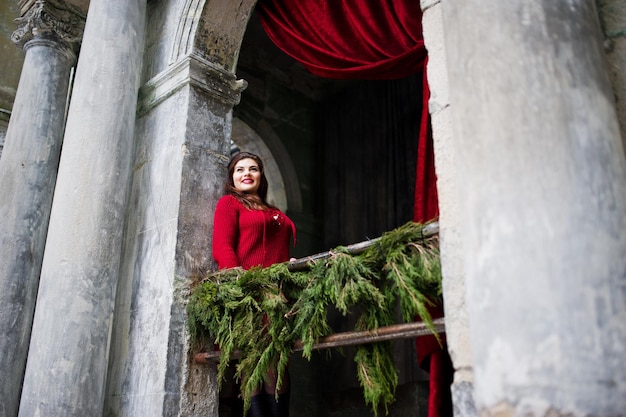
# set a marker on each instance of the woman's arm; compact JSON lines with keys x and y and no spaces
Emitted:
{"x":226,"y":232}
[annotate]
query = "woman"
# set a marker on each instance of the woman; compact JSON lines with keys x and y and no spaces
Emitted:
{"x":250,"y":232}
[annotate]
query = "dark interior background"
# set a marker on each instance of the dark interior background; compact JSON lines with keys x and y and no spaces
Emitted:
{"x":353,"y":145}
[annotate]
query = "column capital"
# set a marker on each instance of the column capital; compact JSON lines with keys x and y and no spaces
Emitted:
{"x":49,"y":18}
{"x":196,"y":71}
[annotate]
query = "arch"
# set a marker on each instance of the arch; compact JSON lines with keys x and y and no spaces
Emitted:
{"x":212,"y":30}
{"x":206,"y":29}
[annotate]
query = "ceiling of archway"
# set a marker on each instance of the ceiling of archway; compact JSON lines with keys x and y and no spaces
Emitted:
{"x":83,"y":4}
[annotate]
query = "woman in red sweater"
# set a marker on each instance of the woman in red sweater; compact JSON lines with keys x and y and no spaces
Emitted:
{"x":248,"y":232}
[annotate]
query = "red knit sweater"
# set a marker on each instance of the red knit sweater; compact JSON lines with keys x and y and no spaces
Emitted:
{"x":247,"y":238}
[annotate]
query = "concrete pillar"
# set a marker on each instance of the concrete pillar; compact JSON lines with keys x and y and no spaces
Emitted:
{"x":446,"y":147}
{"x":67,"y":361}
{"x":183,"y":141}
{"x":28,"y":170}
{"x":543,"y":196}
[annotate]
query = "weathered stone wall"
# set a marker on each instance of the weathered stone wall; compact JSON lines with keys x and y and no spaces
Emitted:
{"x":613,"y":19}
{"x":10,"y":64}
{"x":183,"y":141}
{"x":478,"y":145}
{"x":12,"y":56}
{"x":146,"y":294}
{"x":4,"y":123}
{"x":612,"y":14}
{"x":446,"y":147}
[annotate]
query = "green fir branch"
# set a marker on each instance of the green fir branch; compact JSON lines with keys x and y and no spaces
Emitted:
{"x":262,"y":312}
{"x":377,"y":374}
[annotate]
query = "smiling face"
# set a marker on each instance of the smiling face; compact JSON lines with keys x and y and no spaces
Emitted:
{"x":247,"y":176}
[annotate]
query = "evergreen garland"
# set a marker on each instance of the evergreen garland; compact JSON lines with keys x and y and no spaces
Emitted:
{"x":262,"y":312}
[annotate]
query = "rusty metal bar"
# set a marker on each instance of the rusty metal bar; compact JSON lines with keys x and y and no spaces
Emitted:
{"x":394,"y":332}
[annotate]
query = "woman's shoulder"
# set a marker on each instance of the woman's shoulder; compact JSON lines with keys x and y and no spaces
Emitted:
{"x":228,"y":201}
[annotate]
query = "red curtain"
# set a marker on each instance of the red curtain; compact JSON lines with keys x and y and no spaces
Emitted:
{"x":343,"y":39}
{"x":370,"y":40}
{"x":426,"y":205}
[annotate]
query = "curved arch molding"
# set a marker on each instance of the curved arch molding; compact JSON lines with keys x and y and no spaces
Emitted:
{"x":213,"y":30}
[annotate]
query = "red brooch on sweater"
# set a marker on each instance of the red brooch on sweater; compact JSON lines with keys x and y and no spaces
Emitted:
{"x":277,"y":218}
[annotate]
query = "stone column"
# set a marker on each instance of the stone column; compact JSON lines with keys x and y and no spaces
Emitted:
{"x":183,"y":141}
{"x":542,"y":183}
{"x":67,"y":360}
{"x":49,"y":32}
{"x":446,"y":147}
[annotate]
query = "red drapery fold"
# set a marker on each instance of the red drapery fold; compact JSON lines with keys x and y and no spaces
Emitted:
{"x":348,"y":40}
{"x":426,"y":205}
{"x":370,"y":40}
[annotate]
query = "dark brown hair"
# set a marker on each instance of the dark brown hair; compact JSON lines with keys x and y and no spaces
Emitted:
{"x":251,"y":201}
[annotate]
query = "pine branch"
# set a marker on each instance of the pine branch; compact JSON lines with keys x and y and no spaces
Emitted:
{"x":262,"y":312}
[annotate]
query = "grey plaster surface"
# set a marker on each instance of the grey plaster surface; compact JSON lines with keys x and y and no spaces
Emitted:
{"x":139,"y":353}
{"x":183,"y":142}
{"x":612,"y":15}
{"x":145,"y":314}
{"x":463,"y":399}
{"x":4,"y":124}
{"x":12,"y":56}
{"x":543,"y":190}
{"x":446,"y":147}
